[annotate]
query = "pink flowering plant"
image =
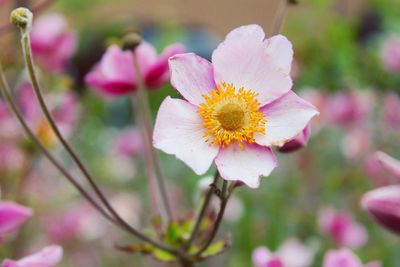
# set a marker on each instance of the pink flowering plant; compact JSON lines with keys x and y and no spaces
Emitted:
{"x":184,"y":147}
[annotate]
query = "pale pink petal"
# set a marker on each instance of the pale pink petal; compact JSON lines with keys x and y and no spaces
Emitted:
{"x":47,"y":257}
{"x":12,"y":216}
{"x":117,"y":65}
{"x":179,"y":131}
{"x":355,"y":236}
{"x":158,"y":73}
{"x":146,"y":55}
{"x":281,"y":51}
{"x":192,"y":76}
{"x":373,"y":264}
{"x":261,"y":256}
{"x":341,"y":258}
{"x":297,"y":142}
{"x":244,"y":60}
{"x":391,"y":164}
{"x":295,"y":254}
{"x":286,"y":117}
{"x":246,"y":164}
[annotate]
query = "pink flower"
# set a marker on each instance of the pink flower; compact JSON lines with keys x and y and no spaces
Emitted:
{"x":128,"y":142}
{"x":383,"y":204}
{"x":12,"y":216}
{"x":391,"y":110}
{"x":390,"y":164}
{"x":47,"y":257}
{"x":297,"y":142}
{"x":348,"y":108}
{"x":290,"y":254}
{"x":390,"y":54}
{"x":53,"y":44}
{"x":356,"y":143}
{"x":342,"y":228}
{"x":12,"y":158}
{"x":345,"y":258}
{"x":115,"y":75}
{"x":235,"y":108}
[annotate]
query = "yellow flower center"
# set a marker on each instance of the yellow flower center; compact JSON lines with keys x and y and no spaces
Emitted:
{"x":231,"y":116}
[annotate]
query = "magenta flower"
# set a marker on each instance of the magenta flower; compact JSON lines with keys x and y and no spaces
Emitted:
{"x":235,"y":108}
{"x":383,"y":204}
{"x":290,"y":254}
{"x":345,"y":258}
{"x":391,"y":110}
{"x":297,"y":142}
{"x":128,"y":143}
{"x":115,"y":75}
{"x":348,"y":108}
{"x":390,"y":54}
{"x":47,"y":257}
{"x":12,"y":216}
{"x":342,"y":228}
{"x":52,"y":42}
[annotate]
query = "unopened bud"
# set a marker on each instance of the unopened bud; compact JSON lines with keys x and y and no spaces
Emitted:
{"x":293,"y":2}
{"x":22,"y":17}
{"x":131,"y":40}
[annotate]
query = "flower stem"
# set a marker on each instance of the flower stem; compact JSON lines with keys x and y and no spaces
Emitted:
{"x":280,"y":17}
{"x":226,"y":193}
{"x":35,"y":84}
{"x":148,"y":132}
{"x":202,"y":213}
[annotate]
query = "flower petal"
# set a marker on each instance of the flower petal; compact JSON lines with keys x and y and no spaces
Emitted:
{"x":12,"y":215}
{"x":158,"y":73}
{"x":391,"y":164}
{"x":245,"y":60}
{"x":179,"y":131}
{"x":286,"y":117}
{"x":342,"y":258}
{"x":281,"y":51}
{"x":47,"y":257}
{"x":192,"y":76}
{"x":246,"y":165}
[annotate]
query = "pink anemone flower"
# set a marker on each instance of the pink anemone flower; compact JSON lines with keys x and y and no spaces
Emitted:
{"x":53,"y":43}
{"x":290,"y":254}
{"x":47,"y":257}
{"x":115,"y":75}
{"x":12,"y":216}
{"x":298,"y":142}
{"x":342,"y":228}
{"x":345,"y":258}
{"x":235,"y":108}
{"x":390,"y":54}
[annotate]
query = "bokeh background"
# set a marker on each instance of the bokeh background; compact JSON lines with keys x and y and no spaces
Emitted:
{"x":338,"y":50}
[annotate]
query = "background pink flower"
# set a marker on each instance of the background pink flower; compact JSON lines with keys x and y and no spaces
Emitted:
{"x":47,"y":257}
{"x":390,"y":53}
{"x":345,"y":258}
{"x":115,"y":75}
{"x":12,"y":216}
{"x":342,"y":228}
{"x":52,"y":42}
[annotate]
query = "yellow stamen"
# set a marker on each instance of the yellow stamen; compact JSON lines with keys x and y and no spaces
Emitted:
{"x":231,"y":116}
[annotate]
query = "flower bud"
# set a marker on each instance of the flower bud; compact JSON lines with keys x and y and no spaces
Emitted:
{"x":22,"y":17}
{"x":383,"y":204}
{"x":131,"y":40}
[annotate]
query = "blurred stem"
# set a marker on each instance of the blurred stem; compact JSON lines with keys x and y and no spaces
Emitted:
{"x":226,"y":194}
{"x":35,"y":84}
{"x":280,"y":17}
{"x":203,"y":211}
{"x":146,"y":120}
{"x":6,"y":92}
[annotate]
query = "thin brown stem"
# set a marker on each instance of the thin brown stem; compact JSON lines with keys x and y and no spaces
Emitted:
{"x":202,"y":213}
{"x":5,"y":90}
{"x":147,"y":127}
{"x":224,"y":201}
{"x":36,"y":87}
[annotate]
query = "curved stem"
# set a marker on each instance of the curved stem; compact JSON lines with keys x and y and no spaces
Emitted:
{"x":148,"y":132}
{"x":35,"y":84}
{"x":5,"y":90}
{"x":224,"y":201}
{"x":202,"y":213}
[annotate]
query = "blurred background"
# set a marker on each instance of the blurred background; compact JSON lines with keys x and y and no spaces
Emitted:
{"x":346,"y":62}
